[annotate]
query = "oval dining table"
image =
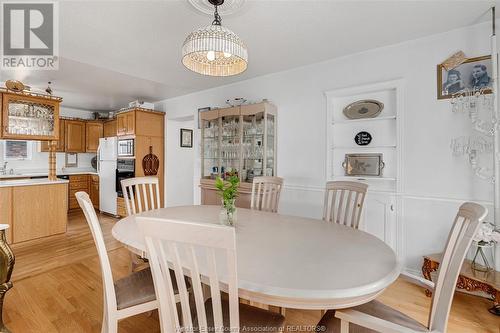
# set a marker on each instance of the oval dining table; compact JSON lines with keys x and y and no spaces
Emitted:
{"x":290,"y":261}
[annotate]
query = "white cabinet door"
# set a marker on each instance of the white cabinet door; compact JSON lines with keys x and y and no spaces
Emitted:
{"x":379,"y":217}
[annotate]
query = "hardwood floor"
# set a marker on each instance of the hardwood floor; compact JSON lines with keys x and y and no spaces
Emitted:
{"x":57,"y":288}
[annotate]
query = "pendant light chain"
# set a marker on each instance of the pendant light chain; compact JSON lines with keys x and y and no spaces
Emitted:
{"x":217,"y":19}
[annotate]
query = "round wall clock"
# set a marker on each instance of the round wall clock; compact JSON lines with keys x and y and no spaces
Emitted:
{"x":363,"y":138}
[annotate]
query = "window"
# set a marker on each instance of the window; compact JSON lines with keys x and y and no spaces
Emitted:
{"x":17,"y":150}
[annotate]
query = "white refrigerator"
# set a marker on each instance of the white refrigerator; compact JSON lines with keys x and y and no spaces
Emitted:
{"x":106,"y":168}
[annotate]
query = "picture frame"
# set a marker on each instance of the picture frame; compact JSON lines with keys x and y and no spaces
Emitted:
{"x":71,"y":160}
{"x":472,"y":74}
{"x":186,"y":138}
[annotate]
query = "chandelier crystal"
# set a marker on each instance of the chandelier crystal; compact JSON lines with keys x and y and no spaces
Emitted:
{"x":215,"y":50}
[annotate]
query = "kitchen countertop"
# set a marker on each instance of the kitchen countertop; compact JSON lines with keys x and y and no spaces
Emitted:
{"x":30,"y":182}
{"x":43,"y":173}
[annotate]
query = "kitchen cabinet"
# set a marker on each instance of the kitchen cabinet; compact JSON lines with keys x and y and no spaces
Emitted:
{"x":60,"y":142}
{"x":125,"y":123}
{"x":74,"y":136}
{"x":40,"y":210}
{"x":77,"y":183}
{"x":121,"y":209}
{"x":109,"y":128}
{"x":30,"y":116}
{"x":94,"y":190}
{"x":6,"y":210}
{"x":93,"y":131}
{"x":140,"y":122}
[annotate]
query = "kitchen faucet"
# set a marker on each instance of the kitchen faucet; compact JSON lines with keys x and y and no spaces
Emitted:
{"x":3,"y":170}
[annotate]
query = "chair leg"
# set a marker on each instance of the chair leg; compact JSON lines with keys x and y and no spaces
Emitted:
{"x":109,"y":325}
{"x":282,"y":311}
{"x":344,"y":326}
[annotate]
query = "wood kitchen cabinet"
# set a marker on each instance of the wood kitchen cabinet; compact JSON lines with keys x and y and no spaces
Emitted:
{"x":77,"y":183}
{"x":6,"y":210}
{"x":109,"y":128}
{"x":94,"y":190}
{"x":125,"y":123}
{"x":40,"y":210}
{"x":74,"y":136}
{"x":29,"y":116}
{"x":60,"y":142}
{"x":93,"y":132}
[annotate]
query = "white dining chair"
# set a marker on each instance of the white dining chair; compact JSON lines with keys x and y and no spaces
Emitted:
{"x":206,"y":253}
{"x":266,"y":193}
{"x":141,"y":194}
{"x":343,"y":202}
{"x":377,"y":317}
{"x":123,"y":298}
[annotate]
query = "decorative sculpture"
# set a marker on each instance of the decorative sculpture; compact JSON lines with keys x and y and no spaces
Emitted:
{"x":7,"y":261}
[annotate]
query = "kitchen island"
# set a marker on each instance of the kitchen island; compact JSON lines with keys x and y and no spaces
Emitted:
{"x":33,"y":208}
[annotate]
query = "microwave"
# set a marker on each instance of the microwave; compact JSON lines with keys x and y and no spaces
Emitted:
{"x":126,"y":148}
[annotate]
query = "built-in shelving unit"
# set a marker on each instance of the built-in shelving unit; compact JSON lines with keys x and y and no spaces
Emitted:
{"x":381,"y":206}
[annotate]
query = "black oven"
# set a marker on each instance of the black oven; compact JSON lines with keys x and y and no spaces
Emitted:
{"x":124,"y":169}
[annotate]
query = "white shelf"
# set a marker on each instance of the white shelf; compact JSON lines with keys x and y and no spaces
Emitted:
{"x":364,"y":178}
{"x":364,"y":147}
{"x":348,"y":121}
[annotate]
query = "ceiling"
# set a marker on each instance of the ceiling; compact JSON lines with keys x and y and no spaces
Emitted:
{"x":113,"y":52}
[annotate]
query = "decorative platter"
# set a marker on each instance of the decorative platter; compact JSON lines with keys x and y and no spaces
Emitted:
{"x":366,"y":108}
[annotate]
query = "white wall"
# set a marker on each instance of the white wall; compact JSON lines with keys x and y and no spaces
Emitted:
{"x":40,"y":160}
{"x":434,"y":182}
{"x":179,"y":165}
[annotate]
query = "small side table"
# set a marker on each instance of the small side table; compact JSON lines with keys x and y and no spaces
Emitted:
{"x":469,"y":279}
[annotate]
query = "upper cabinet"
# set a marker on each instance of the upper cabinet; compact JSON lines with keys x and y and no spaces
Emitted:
{"x":109,"y":128}
{"x":60,"y":141}
{"x":125,"y":123}
{"x":140,"y":122}
{"x":74,"y":136}
{"x":28,"y":116}
{"x":93,"y":131}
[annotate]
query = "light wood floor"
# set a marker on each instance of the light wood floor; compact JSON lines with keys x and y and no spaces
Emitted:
{"x":57,"y":288}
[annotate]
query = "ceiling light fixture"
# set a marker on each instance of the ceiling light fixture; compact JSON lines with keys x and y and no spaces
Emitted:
{"x":215,"y":50}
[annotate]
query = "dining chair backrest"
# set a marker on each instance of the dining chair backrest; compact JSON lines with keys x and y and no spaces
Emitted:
{"x":141,"y":194}
{"x":95,"y":228}
{"x":266,"y":193}
{"x":466,"y":224}
{"x":193,"y":249}
{"x":343,"y":202}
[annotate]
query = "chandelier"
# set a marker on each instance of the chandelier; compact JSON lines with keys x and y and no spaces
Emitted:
{"x":215,"y":50}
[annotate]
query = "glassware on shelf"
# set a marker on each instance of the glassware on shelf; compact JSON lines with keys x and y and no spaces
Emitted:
{"x":28,"y":118}
{"x":236,"y":138}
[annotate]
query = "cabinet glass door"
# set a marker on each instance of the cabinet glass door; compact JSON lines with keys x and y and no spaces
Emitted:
{"x":210,"y":163}
{"x":253,"y":146}
{"x":271,"y":146}
{"x":230,"y":144}
{"x":26,"y":118}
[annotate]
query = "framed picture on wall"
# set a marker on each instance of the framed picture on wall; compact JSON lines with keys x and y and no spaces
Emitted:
{"x":473,"y":74}
{"x":186,"y":138}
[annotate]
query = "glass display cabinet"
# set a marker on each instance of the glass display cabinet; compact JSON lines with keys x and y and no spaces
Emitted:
{"x":27,"y":116}
{"x":241,"y":138}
